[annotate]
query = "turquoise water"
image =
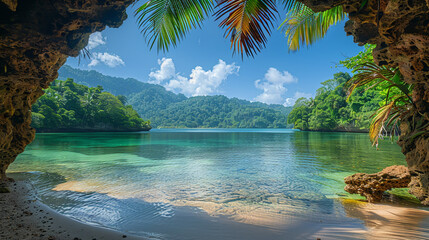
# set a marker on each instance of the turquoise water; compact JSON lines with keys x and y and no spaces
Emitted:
{"x":176,"y":182}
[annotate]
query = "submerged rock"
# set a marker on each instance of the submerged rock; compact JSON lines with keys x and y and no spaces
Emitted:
{"x":372,"y":186}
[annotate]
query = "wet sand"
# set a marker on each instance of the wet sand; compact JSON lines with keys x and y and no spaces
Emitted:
{"x":390,"y":221}
{"x":25,"y":217}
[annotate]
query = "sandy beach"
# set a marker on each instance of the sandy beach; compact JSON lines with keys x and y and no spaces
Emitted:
{"x":23,"y":216}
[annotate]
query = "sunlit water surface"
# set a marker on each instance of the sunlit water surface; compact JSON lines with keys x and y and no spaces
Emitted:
{"x":178,"y":183}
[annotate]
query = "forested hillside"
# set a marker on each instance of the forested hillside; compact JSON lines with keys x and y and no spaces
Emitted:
{"x":220,"y":112}
{"x":67,"y":106}
{"x":167,"y":109}
{"x":114,"y":85}
{"x":332,"y":110}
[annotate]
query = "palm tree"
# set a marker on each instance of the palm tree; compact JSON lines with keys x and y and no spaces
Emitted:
{"x":397,"y":104}
{"x":246,"y":22}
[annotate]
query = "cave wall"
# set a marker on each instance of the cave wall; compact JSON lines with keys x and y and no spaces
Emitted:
{"x":400,"y":29}
{"x":36,"y":37}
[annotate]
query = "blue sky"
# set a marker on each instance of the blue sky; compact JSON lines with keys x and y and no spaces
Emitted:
{"x":203,"y":64}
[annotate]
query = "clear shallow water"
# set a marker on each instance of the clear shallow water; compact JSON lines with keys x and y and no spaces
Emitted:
{"x":178,"y":182}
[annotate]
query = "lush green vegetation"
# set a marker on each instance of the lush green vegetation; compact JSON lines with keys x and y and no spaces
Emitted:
{"x":114,"y":85}
{"x":374,"y":99}
{"x":221,"y":112}
{"x":147,"y":99}
{"x":330,"y":110}
{"x":167,"y":109}
{"x":397,"y":102}
{"x":67,"y":106}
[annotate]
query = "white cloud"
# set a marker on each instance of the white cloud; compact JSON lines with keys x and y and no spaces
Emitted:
{"x":291,"y":101}
{"x":110,"y":60}
{"x":95,"y":40}
{"x":273,"y":86}
{"x":166,"y":71}
{"x":200,"y":83}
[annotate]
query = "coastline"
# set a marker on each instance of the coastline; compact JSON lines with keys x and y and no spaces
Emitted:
{"x":83,"y":130}
{"x":338,"y":130}
{"x":25,"y":217}
{"x":28,"y":218}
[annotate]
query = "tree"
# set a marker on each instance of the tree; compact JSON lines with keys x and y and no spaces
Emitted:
{"x":330,"y":111}
{"x":70,"y":106}
{"x":397,"y":97}
{"x":246,"y":22}
{"x":123,"y":99}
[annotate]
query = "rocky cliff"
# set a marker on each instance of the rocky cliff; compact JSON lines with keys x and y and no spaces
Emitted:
{"x":400,"y":29}
{"x":36,"y":37}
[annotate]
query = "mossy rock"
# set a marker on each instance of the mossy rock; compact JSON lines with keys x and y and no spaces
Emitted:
{"x":404,"y":195}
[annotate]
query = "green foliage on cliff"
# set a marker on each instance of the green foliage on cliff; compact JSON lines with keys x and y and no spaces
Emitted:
{"x":167,"y":109}
{"x":330,"y":110}
{"x":67,"y":106}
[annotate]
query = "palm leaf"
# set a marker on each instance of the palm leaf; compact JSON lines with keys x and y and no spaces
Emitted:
{"x":396,"y":106}
{"x":85,"y":54}
{"x":303,"y":26}
{"x":165,"y":22}
{"x":377,"y":125}
{"x":293,"y":5}
{"x":367,"y":73}
{"x":247,"y":23}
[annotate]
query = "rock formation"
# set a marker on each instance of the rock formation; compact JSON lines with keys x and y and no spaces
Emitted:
{"x":372,"y":186}
{"x":400,"y":29}
{"x":36,"y":37}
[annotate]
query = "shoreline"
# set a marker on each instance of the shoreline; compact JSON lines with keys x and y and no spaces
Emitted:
{"x":25,"y":217}
{"x":337,"y":131}
{"x":90,"y":130}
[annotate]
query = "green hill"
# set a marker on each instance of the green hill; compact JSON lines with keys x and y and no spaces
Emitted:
{"x":167,"y":109}
{"x":219,"y":112}
{"x":70,"y":107}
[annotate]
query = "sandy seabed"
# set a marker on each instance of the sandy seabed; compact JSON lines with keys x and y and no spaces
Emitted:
{"x":23,"y":216}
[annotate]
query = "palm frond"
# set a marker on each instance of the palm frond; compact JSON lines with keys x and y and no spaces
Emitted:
{"x":376,"y":127}
{"x":247,"y":23}
{"x":293,"y":5}
{"x":387,"y":117}
{"x":85,"y":54}
{"x":304,"y":26}
{"x":369,"y":72}
{"x":165,"y":22}
{"x":398,"y":103}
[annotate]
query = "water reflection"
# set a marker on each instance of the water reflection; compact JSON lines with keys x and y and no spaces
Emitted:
{"x":263,"y":178}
